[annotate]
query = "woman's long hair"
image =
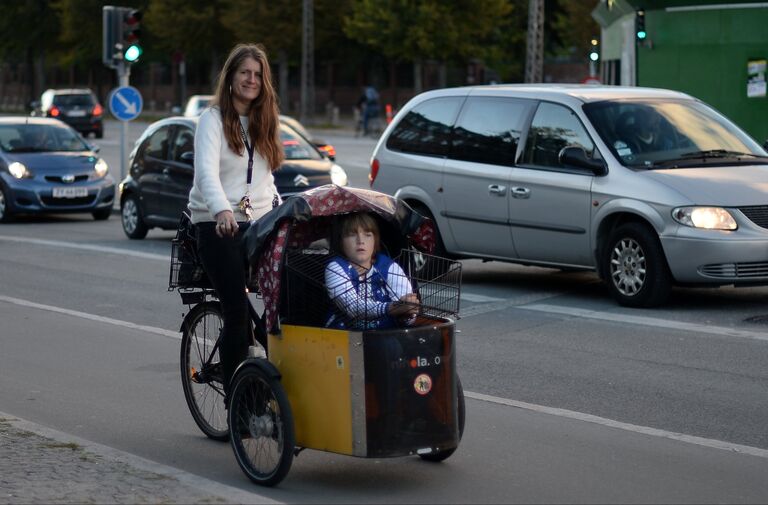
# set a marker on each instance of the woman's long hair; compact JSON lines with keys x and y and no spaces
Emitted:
{"x":263,"y":122}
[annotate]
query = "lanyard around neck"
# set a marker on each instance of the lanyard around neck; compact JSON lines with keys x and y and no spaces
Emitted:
{"x":249,"y":149}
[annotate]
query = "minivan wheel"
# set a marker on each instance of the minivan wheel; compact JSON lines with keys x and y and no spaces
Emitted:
{"x":130,"y":215}
{"x":636,"y":269}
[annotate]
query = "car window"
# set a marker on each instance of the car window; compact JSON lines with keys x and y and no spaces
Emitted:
{"x":653,"y":133}
{"x":296,"y":147}
{"x":426,"y":129}
{"x":488,"y":130}
{"x":71,"y":100}
{"x":157,"y":144}
{"x":553,"y":128}
{"x":40,"y":138}
{"x":184,"y":142}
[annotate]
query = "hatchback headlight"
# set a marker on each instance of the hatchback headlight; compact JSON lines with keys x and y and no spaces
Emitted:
{"x":19,"y":171}
{"x":338,"y":175}
{"x":101,"y":167}
{"x":708,"y":218}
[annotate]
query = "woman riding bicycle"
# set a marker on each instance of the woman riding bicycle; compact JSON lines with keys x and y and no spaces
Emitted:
{"x":237,"y":147}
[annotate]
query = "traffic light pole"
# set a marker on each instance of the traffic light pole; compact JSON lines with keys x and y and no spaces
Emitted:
{"x":123,"y":79}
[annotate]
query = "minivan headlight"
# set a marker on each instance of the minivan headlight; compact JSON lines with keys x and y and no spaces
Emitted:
{"x":101,"y":167}
{"x":19,"y":171}
{"x":338,"y":175}
{"x":708,"y":218}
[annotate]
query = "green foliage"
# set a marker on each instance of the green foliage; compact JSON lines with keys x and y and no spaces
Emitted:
{"x":277,"y":25}
{"x":80,"y":41}
{"x":409,"y":30}
{"x":27,"y":27}
{"x":193,"y":27}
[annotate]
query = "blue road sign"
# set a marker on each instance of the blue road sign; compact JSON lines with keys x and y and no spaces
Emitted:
{"x":125,"y":103}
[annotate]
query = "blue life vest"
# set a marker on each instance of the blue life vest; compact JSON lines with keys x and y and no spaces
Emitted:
{"x":377,"y":284}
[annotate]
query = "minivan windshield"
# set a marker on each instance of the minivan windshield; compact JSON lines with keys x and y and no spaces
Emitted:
{"x":671,"y":134}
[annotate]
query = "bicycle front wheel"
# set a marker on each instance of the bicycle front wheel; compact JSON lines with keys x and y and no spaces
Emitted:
{"x":261,"y":424}
{"x":201,"y":375}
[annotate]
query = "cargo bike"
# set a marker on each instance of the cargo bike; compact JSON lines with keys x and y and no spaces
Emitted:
{"x":362,"y":392}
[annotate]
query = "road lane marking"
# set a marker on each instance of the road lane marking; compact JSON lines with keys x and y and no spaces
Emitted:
{"x":648,"y":321}
{"x":86,"y":247}
{"x":716,"y":444}
{"x":92,"y":317}
{"x":645,"y":430}
{"x":507,"y":303}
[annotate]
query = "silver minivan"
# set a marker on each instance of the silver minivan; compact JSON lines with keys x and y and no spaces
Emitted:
{"x":648,"y":187}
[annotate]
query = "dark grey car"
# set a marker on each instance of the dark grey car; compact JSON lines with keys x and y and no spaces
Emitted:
{"x":647,"y":187}
{"x":161,"y":172}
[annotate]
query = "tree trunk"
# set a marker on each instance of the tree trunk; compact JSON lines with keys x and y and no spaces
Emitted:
{"x":39,"y":81}
{"x":417,"y":83}
{"x":393,"y":82}
{"x":442,"y":75}
{"x":214,"y":68}
{"x":282,"y":80}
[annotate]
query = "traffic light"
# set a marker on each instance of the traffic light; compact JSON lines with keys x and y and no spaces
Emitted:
{"x":131,"y":32}
{"x":640,"y":25}
{"x":594,"y":49}
{"x":120,"y":37}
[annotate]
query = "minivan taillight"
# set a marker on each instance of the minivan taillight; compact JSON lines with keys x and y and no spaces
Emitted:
{"x":54,"y":111}
{"x":374,"y":171}
{"x":97,"y":110}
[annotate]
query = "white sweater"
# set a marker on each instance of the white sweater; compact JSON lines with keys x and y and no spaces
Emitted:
{"x":221,"y":174}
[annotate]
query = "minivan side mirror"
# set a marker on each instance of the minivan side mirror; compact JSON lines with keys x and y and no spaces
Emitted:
{"x":577,"y":157}
{"x":188,"y":158}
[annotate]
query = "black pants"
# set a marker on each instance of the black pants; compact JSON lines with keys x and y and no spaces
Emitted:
{"x":225,"y":263}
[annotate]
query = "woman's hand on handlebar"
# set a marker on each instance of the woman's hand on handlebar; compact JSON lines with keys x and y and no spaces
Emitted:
{"x":226,"y":225}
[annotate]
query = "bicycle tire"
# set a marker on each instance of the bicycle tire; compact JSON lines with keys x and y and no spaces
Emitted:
{"x":436,"y":457}
{"x":200,"y":331}
{"x":261,"y":426}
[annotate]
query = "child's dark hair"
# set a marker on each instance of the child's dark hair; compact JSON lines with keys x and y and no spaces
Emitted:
{"x":350,"y":223}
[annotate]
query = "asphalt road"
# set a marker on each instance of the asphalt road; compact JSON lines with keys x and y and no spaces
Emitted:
{"x":570,"y":397}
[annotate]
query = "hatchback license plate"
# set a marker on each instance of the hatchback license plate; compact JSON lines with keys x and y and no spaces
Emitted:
{"x":69,"y":192}
{"x":76,"y":113}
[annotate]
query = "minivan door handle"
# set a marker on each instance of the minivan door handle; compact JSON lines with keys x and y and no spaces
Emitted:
{"x":497,"y":189}
{"x":519,"y":192}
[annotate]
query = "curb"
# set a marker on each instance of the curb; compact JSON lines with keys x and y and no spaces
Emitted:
{"x":131,"y":474}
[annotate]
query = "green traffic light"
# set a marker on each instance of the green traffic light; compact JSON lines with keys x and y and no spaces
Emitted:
{"x":132,"y":53}
{"x":641,"y":34}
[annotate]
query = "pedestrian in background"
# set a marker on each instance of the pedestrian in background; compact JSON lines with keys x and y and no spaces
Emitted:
{"x":237,"y":147}
{"x":368,"y":105}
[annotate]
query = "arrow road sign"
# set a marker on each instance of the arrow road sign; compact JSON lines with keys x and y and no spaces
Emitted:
{"x":125,"y":103}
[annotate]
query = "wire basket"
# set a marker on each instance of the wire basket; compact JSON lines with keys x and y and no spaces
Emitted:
{"x":314,"y":297}
{"x":186,"y":270}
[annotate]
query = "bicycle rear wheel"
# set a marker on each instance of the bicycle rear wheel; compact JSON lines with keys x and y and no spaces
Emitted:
{"x":203,"y":387}
{"x":261,"y":424}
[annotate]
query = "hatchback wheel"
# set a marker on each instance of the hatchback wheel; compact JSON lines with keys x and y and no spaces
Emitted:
{"x":635,"y":267}
{"x":130,"y":215}
{"x":5,"y":211}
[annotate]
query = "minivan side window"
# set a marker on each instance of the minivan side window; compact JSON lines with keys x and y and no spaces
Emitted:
{"x":553,"y":128}
{"x":426,"y":129}
{"x":488,"y":130}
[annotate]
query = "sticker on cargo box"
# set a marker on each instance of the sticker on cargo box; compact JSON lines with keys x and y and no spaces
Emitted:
{"x":340,"y":362}
{"x":423,"y":384}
